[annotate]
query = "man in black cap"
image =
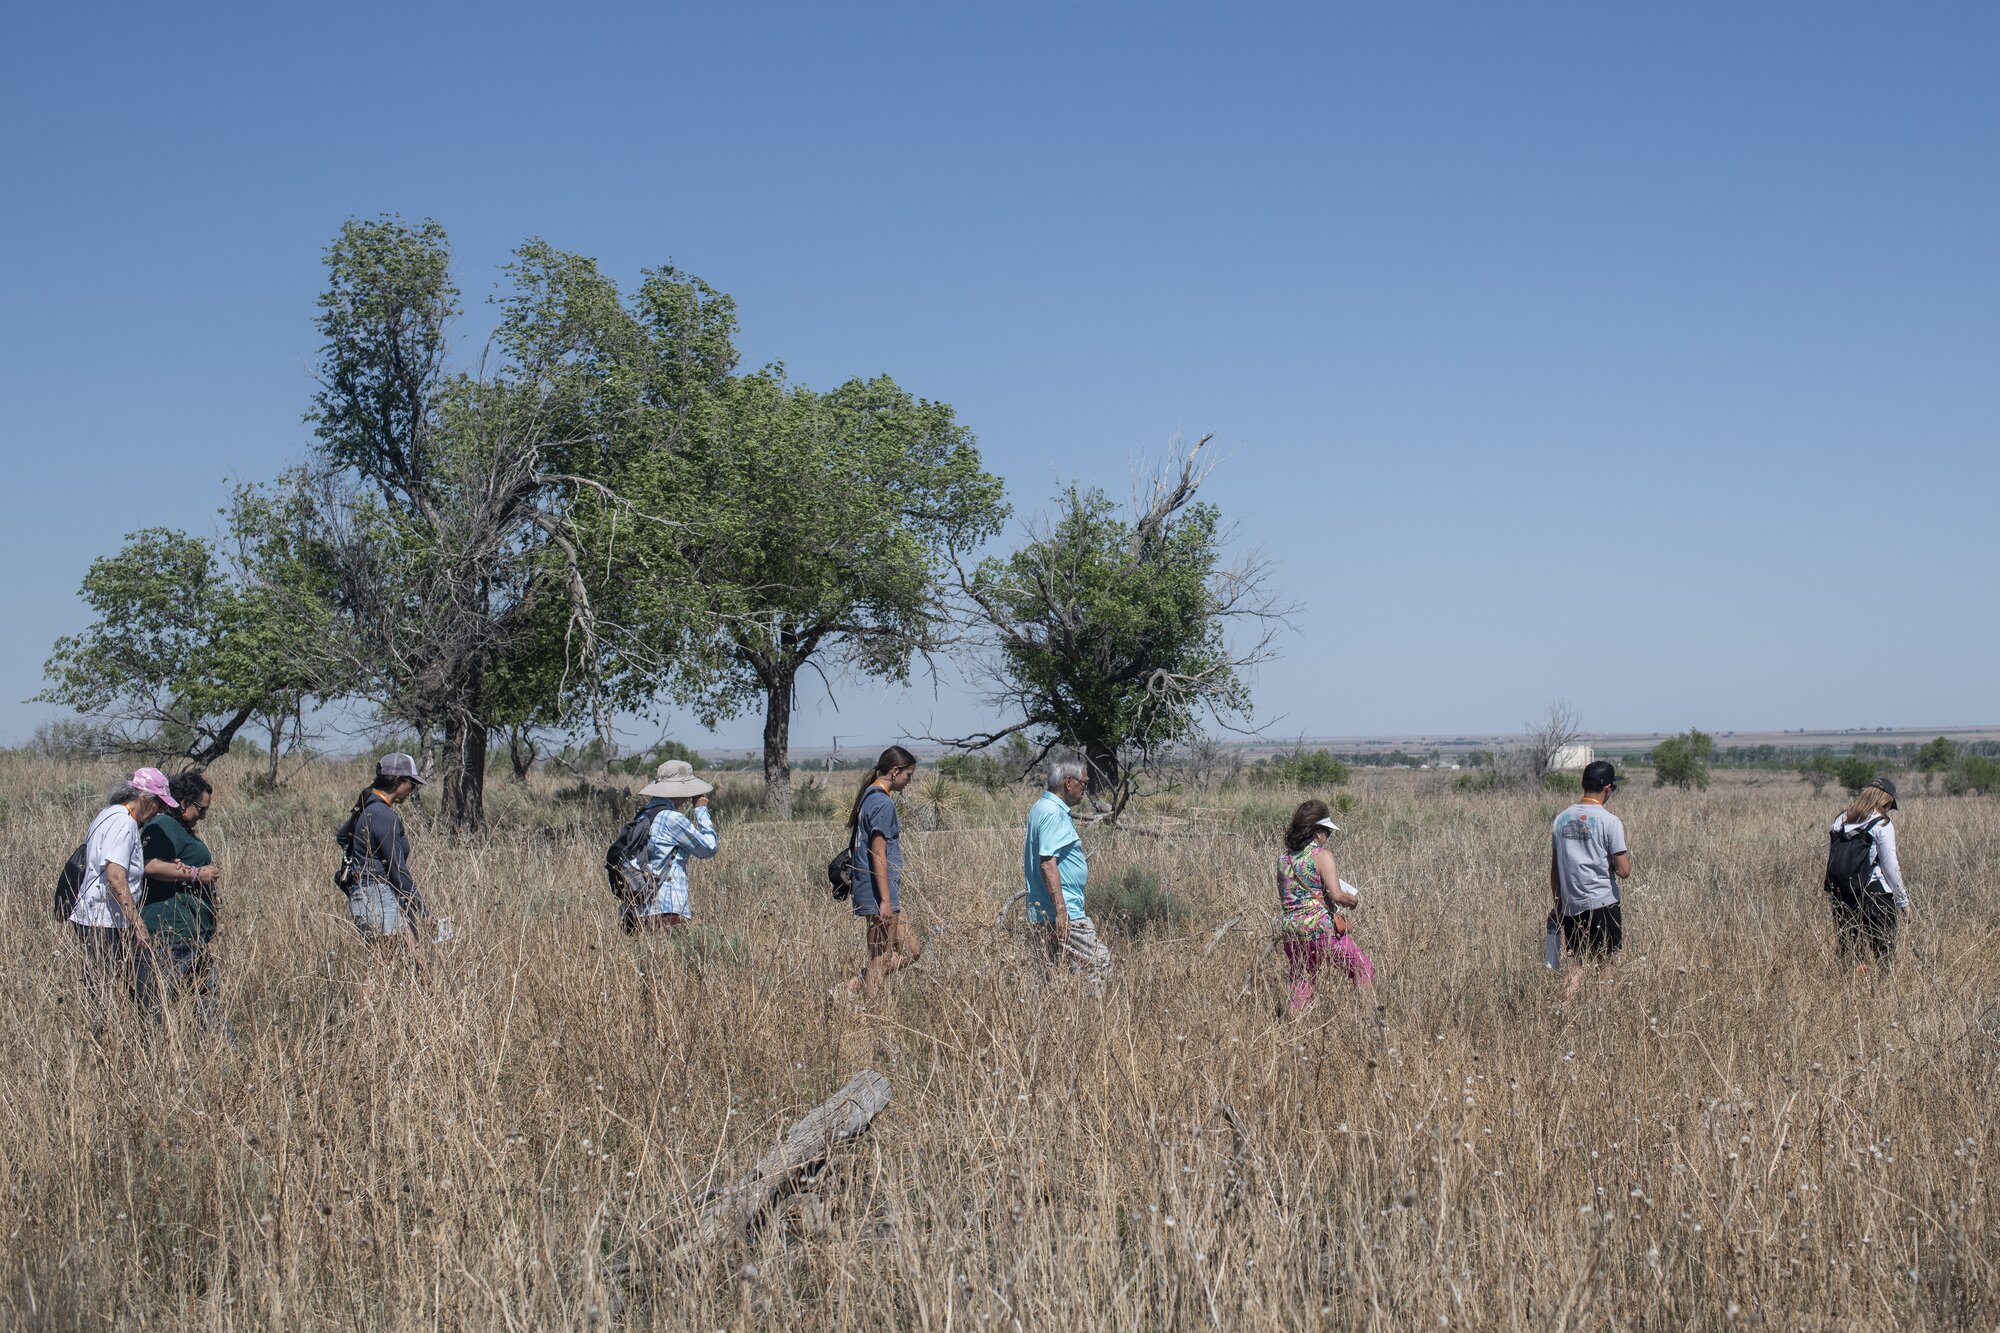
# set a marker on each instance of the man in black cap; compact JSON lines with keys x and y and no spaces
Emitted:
{"x":1587,"y":858}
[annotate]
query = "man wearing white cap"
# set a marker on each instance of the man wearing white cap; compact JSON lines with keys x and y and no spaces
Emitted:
{"x":675,"y":837}
{"x":106,"y":915}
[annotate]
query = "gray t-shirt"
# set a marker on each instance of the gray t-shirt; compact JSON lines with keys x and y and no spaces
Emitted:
{"x":1585,"y":837}
{"x":878,"y":815}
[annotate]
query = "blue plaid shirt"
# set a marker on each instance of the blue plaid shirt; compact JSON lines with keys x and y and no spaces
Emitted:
{"x":674,"y":839}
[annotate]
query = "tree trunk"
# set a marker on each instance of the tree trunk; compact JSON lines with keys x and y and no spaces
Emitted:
{"x":277,"y":742}
{"x":1102,"y":757}
{"x":465,"y":754}
{"x":777,"y":746}
{"x":521,"y":752}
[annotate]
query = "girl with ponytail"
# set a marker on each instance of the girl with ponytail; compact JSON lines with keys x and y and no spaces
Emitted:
{"x":875,"y":833}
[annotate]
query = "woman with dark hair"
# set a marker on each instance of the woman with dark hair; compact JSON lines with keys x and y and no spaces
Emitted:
{"x":875,"y":836}
{"x":382,"y":897}
{"x":1312,"y":894}
{"x":180,"y":898}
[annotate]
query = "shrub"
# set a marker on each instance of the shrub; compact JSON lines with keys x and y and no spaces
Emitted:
{"x":1267,"y":817}
{"x":810,"y":800}
{"x":1136,"y":901}
{"x":643,"y":764}
{"x":938,"y":800}
{"x":1682,"y":761}
{"x":738,"y":803}
{"x":69,"y":738}
{"x":1975,"y":773}
{"x":1818,"y":770}
{"x":1854,"y":773}
{"x":1309,"y":768}
{"x":1346,"y":802}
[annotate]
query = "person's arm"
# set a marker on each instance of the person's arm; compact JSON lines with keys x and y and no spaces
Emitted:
{"x":1886,"y":862}
{"x":696,"y":833}
{"x":1058,"y":909}
{"x":878,"y":866}
{"x":171,"y":872}
{"x":397,"y":863}
{"x":1621,"y":864}
{"x":1329,"y":880}
{"x":1555,"y":885}
{"x":121,"y":893}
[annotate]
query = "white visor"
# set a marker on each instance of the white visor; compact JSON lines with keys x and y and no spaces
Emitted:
{"x":1328,"y":825}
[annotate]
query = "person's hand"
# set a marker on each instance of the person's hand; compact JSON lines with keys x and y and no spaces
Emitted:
{"x":701,"y":800}
{"x":208,"y":874}
{"x":1059,"y":923}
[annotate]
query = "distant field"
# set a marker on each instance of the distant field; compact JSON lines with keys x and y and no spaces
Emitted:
{"x":1739,"y":1131}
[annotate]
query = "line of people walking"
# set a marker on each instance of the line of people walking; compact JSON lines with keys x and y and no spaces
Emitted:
{"x":141,"y":891}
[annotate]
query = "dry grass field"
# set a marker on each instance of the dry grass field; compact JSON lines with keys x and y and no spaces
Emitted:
{"x":1737,"y":1132}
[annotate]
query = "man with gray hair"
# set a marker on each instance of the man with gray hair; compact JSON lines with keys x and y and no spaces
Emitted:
{"x":1053,"y":862}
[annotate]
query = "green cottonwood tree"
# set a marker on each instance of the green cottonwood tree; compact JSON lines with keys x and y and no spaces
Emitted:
{"x":1682,"y":761}
{"x":1936,"y":756}
{"x":815,"y":530}
{"x":1108,"y":632}
{"x":182,"y":653}
{"x":470,"y":517}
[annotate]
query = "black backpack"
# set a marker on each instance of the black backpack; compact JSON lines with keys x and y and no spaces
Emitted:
{"x":1850,"y":862}
{"x":69,"y":882}
{"x":626,"y":864}
{"x":840,"y":874}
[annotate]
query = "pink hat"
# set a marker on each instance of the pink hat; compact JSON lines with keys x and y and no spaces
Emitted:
{"x":153,"y":782}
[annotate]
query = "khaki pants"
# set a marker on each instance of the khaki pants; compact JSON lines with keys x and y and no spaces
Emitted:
{"x":1081,"y":951}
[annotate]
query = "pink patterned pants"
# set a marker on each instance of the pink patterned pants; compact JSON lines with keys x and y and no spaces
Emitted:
{"x":1306,"y":959}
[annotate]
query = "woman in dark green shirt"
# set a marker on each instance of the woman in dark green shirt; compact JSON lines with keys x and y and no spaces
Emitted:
{"x":179,"y":907}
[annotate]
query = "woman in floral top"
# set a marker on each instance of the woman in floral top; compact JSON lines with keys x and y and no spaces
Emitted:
{"x":1313,"y":895}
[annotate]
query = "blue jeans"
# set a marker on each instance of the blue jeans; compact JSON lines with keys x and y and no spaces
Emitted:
{"x":375,"y":910}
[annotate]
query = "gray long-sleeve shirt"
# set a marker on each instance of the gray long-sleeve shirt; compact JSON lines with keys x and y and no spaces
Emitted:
{"x":381,"y":849}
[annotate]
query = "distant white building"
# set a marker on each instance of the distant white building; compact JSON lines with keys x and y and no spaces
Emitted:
{"x":1571,"y":758}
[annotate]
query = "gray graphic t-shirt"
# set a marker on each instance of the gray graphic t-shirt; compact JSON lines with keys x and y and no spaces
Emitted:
{"x":1585,"y":837}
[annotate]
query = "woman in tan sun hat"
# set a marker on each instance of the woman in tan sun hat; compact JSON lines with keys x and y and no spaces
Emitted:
{"x":682,"y":828}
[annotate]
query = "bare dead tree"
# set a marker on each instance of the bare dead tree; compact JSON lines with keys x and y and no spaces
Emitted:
{"x":1546,"y":737}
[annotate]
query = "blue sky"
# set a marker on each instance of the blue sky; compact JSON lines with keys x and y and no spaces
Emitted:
{"x":1645,"y":358}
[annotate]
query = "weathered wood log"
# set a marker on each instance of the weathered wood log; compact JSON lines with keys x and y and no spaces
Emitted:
{"x":843,"y":1116}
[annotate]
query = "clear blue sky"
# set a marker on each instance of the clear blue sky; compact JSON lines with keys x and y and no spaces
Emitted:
{"x":1647,"y":357}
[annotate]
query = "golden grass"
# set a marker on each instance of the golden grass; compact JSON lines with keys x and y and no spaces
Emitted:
{"x":1739,"y":1130}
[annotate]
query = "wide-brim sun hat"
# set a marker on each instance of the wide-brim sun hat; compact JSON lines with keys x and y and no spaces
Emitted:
{"x":675,"y":780}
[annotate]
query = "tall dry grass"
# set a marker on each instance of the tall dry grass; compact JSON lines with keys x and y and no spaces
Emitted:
{"x":1738,"y":1131}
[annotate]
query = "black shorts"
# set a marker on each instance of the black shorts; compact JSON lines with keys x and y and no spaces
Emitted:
{"x":1596,"y":932}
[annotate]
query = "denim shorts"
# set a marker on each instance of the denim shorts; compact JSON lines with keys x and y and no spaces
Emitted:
{"x":376,"y":913}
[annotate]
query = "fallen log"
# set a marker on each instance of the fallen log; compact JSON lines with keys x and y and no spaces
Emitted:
{"x":733,"y":1210}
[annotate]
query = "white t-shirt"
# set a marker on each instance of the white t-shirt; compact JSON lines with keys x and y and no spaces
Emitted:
{"x":113,"y":840}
